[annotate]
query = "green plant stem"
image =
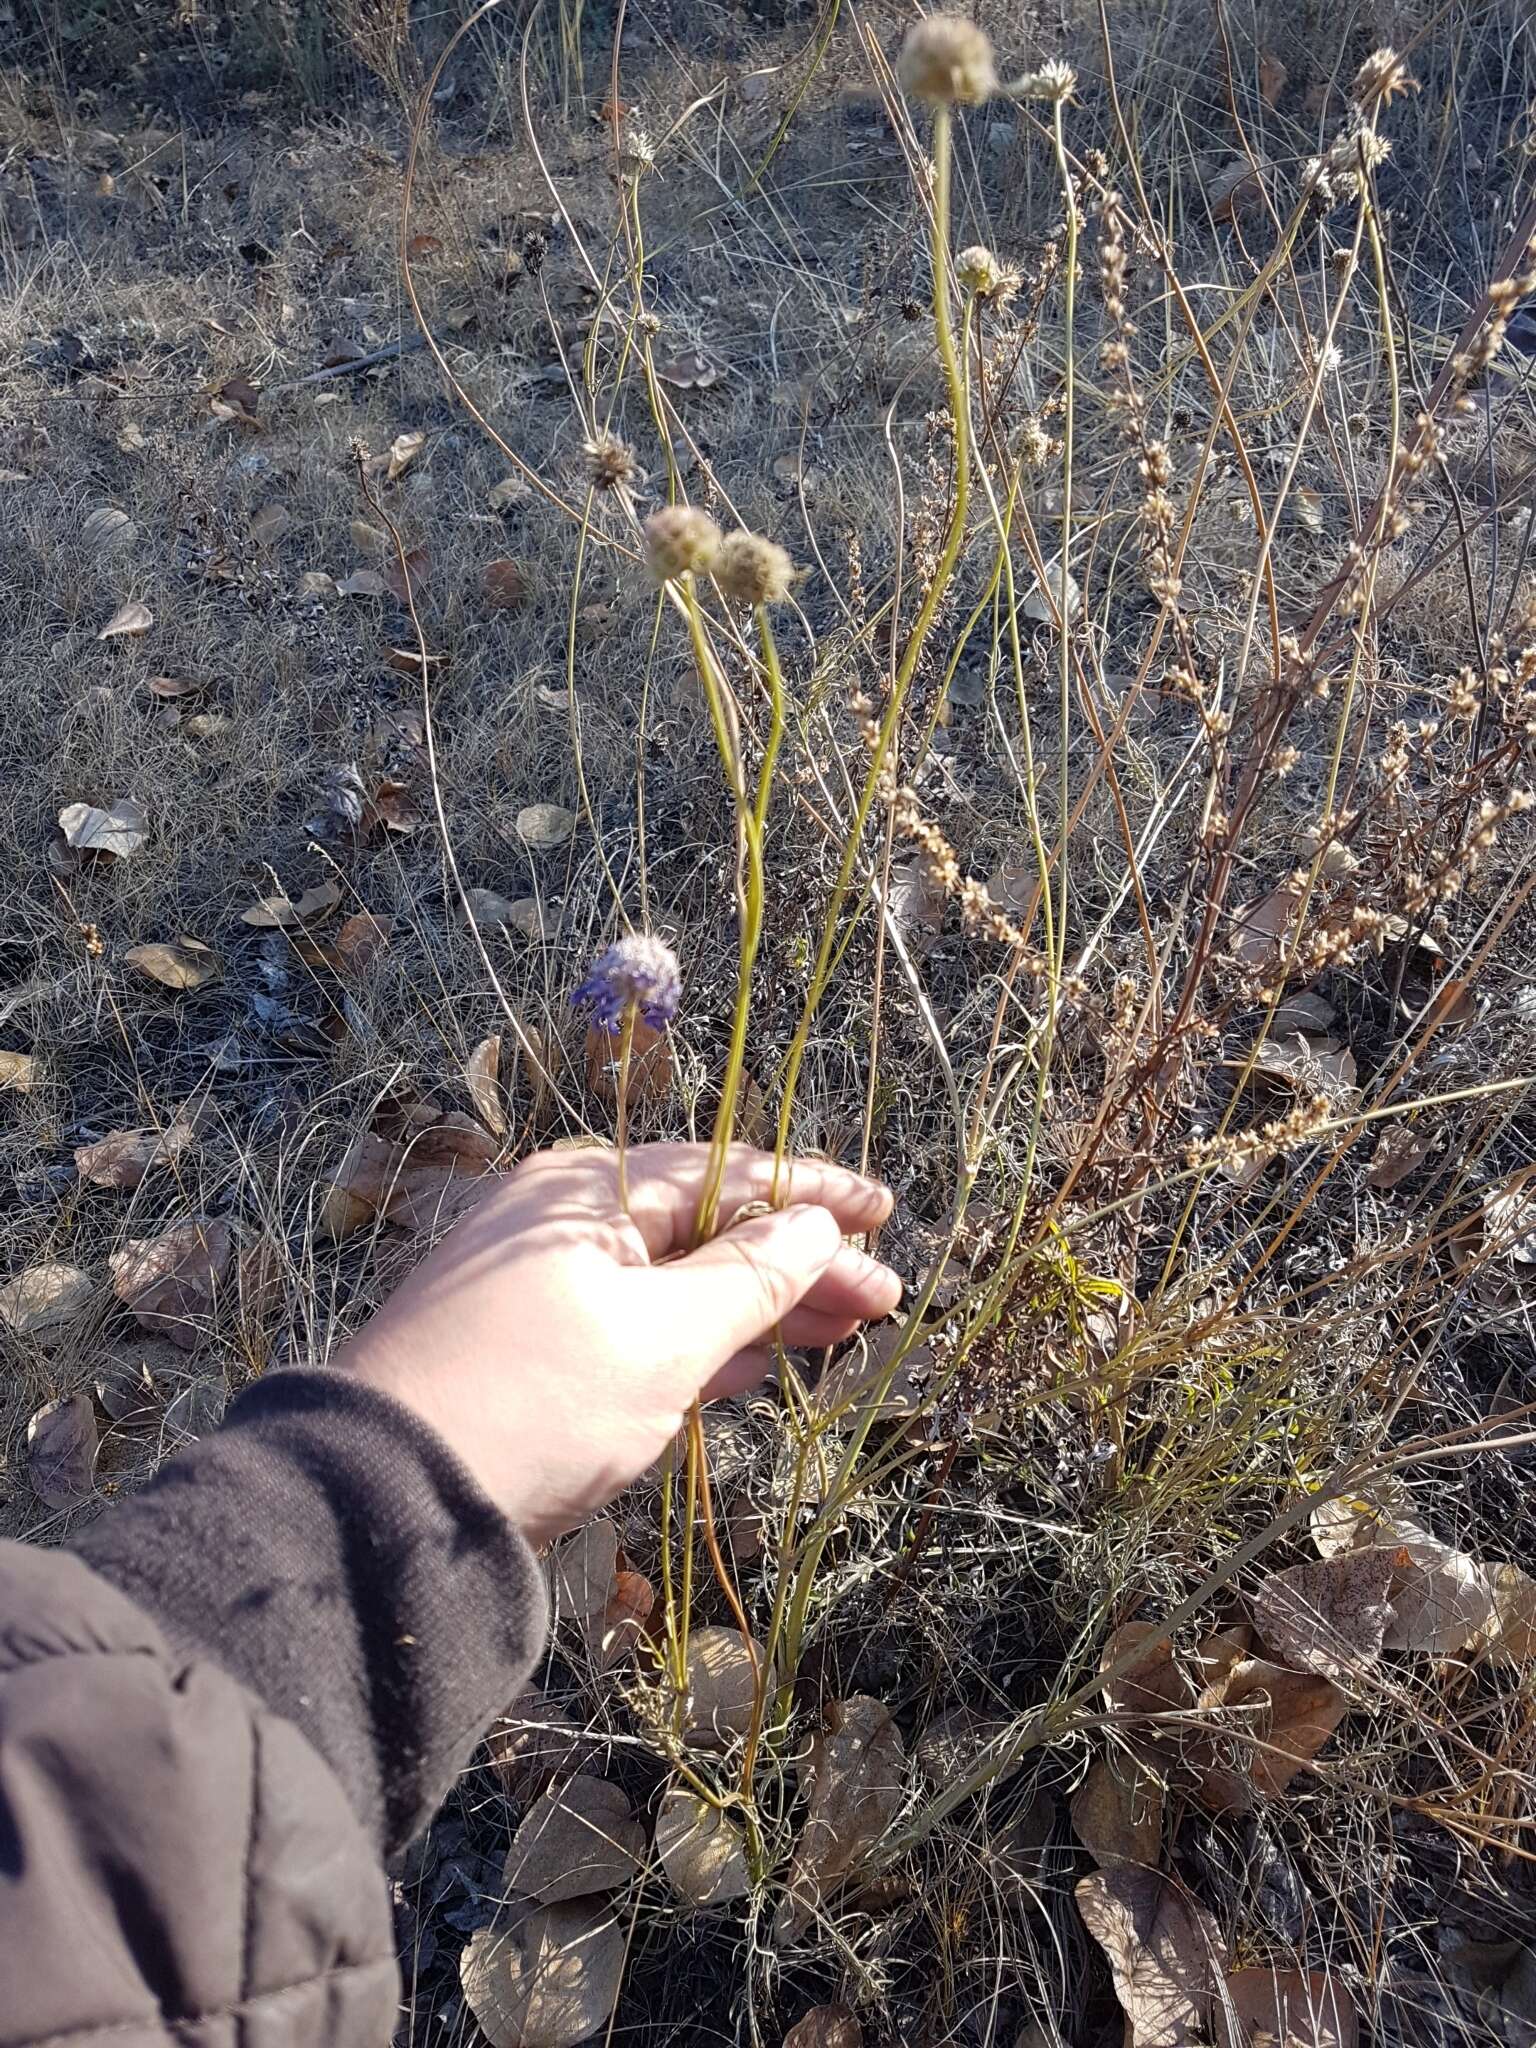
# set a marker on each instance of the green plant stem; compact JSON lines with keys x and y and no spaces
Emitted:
{"x":621,"y":1107}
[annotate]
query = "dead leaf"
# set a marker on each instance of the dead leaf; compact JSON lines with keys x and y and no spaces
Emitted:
{"x":316,"y":583}
{"x":1328,"y":1618}
{"x":614,"y":1635}
{"x":173,"y":688}
{"x":537,"y":1743}
{"x":422,"y":245}
{"x":1236,"y":189}
{"x":580,"y":1838}
{"x":510,"y":491}
{"x":391,"y":808}
{"x":176,"y":963}
{"x":826,"y":2026}
{"x":367,"y":538}
{"x":269,"y":523}
{"x":1441,"y":1600}
{"x":131,"y":618}
{"x":544,"y":1976}
{"x":1508,"y":1636}
{"x":171,"y":1282}
{"x":362,"y":583}
{"x":855,"y":1773}
{"x":106,"y":530}
{"x":1165,"y":1952}
{"x":490,"y":912}
{"x":404,"y":583}
{"x":113,"y":830}
{"x":916,"y":905}
{"x":690,"y":371}
{"x":1273,"y":77}
{"x":582,"y":1570}
{"x":1263,"y":1723}
{"x":122,"y":1158}
{"x":1264,"y":929}
{"x":1286,"y":2009}
{"x":651,"y":1063}
{"x":700,"y":1850}
{"x":403,"y":451}
{"x":1352,"y":1522}
{"x":1398,"y":1151}
{"x":505,"y":584}
{"x":130,"y":438}
{"x":1055,"y":595}
{"x":282,"y":913}
{"x":20,"y":1072}
{"x":1155,"y":1683}
{"x":1117,"y":1812}
{"x":865,"y":1362}
{"x":1510,"y":1221}
{"x":720,"y":1684}
{"x":44,"y":1303}
{"x":61,"y":1451}
{"x":360,"y":941}
{"x":543,"y":827}
{"x":1312,"y":1066}
{"x":415,"y":1184}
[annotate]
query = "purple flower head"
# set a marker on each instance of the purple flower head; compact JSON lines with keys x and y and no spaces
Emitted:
{"x":638,"y":970}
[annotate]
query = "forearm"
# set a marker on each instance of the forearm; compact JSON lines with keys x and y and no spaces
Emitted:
{"x":328,"y":1551}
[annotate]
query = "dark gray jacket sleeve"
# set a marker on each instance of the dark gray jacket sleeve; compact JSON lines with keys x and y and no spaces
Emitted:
{"x":253,"y":1680}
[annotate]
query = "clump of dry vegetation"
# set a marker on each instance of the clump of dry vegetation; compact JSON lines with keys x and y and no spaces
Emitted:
{"x":1009,"y":550}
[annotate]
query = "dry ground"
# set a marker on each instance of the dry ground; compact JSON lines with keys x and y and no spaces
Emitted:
{"x":199,"y":231}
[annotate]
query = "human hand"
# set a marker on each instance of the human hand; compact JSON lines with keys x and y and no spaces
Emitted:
{"x":546,"y":1341}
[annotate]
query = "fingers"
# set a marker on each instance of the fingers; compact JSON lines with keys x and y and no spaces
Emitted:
{"x":667,"y":1183}
{"x":730,"y":1293}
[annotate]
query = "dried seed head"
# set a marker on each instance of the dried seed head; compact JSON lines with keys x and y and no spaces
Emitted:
{"x":639,"y":972}
{"x":1382,"y":77}
{"x":610,"y":462}
{"x":1053,"y":81}
{"x":679,"y":538}
{"x":947,"y":59}
{"x":753,"y":570}
{"x":979,"y":271}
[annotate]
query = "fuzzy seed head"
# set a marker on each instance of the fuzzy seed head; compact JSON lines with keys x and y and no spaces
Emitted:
{"x":978,"y":270}
{"x":1053,"y":81}
{"x":610,"y":462}
{"x":638,"y":973}
{"x":947,"y":60}
{"x":753,"y":570}
{"x":679,"y":538}
{"x":1382,"y":77}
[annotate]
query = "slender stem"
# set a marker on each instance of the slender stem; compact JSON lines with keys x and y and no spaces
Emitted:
{"x":621,"y":1115}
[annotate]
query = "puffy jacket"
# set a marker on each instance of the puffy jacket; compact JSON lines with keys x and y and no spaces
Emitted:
{"x":242,"y":1689}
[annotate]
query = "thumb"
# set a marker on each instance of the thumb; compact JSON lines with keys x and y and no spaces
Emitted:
{"x":730,"y":1292}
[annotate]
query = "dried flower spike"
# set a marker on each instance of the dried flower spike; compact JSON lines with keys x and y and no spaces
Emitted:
{"x":1053,"y":81}
{"x":610,"y":462}
{"x":947,"y":60}
{"x":679,"y":538}
{"x":978,"y":270}
{"x":753,"y":570}
{"x":1382,"y":77}
{"x":639,"y":971}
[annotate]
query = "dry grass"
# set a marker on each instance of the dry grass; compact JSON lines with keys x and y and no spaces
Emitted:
{"x":1149,"y":1334}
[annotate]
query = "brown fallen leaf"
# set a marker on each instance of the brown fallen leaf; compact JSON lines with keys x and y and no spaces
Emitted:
{"x":180,"y":964}
{"x":173,"y":688}
{"x":535,"y":1744}
{"x":580,"y":1838}
{"x":131,"y":618}
{"x":1441,"y":1599}
{"x":403,"y":451}
{"x":489,"y":911}
{"x":122,"y":1158}
{"x":391,"y":808}
{"x":318,"y":583}
{"x":1261,"y":931}
{"x":269,"y":523}
{"x":61,"y":1451}
{"x":867,"y":1360}
{"x":826,"y":2026}
{"x":1398,"y":1151}
{"x":362,"y":583}
{"x":360,"y":941}
{"x":855,"y":1773}
{"x":281,"y":913}
{"x":1155,"y":1683}
{"x":20,"y":1072}
{"x":720,"y":1684}
{"x":582,"y":1570}
{"x":701,"y":1850}
{"x":112,"y":830}
{"x":106,"y":530}
{"x":1286,"y":2009}
{"x":1265,"y":1723}
{"x":1508,"y":1636}
{"x":652,"y":1065}
{"x":407,"y":661}
{"x":415,"y":1183}
{"x":482,"y":1072}
{"x":1236,"y":189}
{"x":1273,"y":77}
{"x":408,"y":582}
{"x":544,"y":827}
{"x":367,"y":538}
{"x":44,"y":1303}
{"x":614,"y":1634}
{"x":1117,"y":1812}
{"x":170,"y":1283}
{"x":1165,"y":1952}
{"x":1328,"y":1618}
{"x":690,"y":371}
{"x":544,"y":1976}
{"x":422,"y":245}
{"x":505,"y":584}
